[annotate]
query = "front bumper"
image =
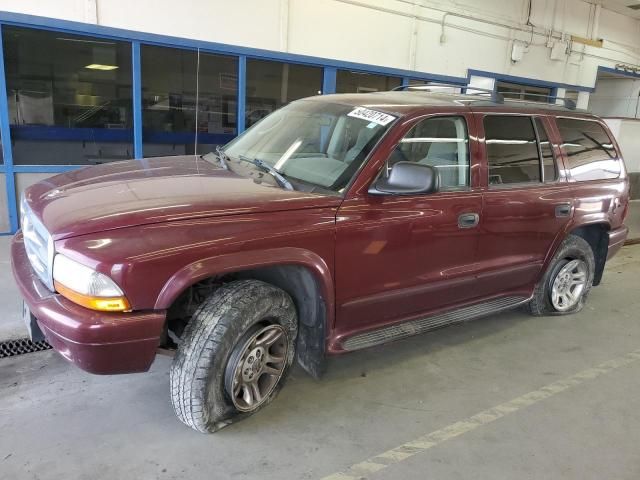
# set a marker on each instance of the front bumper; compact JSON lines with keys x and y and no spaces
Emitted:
{"x":617,"y":238}
{"x":98,"y":342}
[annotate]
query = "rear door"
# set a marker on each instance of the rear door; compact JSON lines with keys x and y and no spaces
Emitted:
{"x":526,"y":202}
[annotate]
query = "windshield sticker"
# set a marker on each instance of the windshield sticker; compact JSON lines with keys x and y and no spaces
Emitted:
{"x":372,"y":116}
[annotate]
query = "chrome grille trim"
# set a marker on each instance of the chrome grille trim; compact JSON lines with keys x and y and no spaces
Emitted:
{"x":38,"y":244}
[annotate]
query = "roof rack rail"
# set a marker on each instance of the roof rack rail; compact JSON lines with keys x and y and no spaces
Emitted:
{"x":498,"y":97}
{"x":465,"y":89}
{"x":552,"y":99}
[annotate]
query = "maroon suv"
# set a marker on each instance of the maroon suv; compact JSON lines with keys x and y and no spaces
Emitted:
{"x":336,"y":223}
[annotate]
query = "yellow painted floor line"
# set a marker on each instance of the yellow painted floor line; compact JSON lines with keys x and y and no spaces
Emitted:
{"x":364,"y":469}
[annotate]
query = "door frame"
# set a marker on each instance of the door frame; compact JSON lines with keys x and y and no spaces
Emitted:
{"x":372,"y":167}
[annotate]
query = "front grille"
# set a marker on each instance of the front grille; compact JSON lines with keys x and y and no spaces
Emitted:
{"x":38,"y":244}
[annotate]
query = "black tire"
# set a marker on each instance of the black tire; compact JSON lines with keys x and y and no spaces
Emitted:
{"x":197,"y":375}
{"x":573,"y":248}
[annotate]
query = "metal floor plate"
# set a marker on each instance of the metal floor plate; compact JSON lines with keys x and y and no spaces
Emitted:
{"x":21,"y":346}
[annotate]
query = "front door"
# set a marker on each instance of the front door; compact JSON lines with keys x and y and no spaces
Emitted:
{"x":526,"y":204}
{"x":400,"y":256}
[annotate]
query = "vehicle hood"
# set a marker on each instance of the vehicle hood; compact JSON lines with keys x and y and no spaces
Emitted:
{"x":164,"y":189}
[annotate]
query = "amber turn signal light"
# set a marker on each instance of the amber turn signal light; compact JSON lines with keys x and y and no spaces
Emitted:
{"x":102,"y":304}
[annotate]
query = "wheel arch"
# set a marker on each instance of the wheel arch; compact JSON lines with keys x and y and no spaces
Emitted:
{"x":596,"y":235}
{"x":304,"y":275}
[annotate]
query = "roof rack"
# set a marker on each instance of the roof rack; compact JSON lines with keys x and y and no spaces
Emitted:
{"x":485,"y":92}
{"x":552,"y":99}
{"x":497,"y":97}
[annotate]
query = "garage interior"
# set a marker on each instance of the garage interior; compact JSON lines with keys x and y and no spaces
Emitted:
{"x":510,"y":396}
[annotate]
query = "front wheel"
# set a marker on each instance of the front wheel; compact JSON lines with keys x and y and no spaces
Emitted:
{"x":565,"y":285}
{"x":234,"y":354}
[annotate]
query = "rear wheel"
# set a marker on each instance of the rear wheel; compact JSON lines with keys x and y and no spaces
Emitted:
{"x":234,"y":354}
{"x":568,"y":284}
{"x":565,"y":285}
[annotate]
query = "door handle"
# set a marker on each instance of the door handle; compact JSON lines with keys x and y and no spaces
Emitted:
{"x":468,"y":220}
{"x":563,"y":210}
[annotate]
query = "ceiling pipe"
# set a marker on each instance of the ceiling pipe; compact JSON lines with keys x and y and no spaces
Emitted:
{"x":545,"y":33}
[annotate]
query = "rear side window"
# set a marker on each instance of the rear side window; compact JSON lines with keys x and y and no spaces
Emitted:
{"x":512,"y":150}
{"x":590,"y":153}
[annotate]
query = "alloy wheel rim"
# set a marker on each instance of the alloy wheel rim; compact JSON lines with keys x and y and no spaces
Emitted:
{"x":256,"y":367}
{"x":568,"y":285}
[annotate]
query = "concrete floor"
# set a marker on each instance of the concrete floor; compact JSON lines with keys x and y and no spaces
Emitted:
{"x":633,"y":219}
{"x":59,"y":422}
{"x":11,"y":325}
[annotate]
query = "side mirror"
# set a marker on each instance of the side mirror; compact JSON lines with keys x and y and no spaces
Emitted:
{"x":407,"y":178}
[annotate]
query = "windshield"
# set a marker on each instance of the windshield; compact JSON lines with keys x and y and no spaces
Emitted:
{"x":317,"y":143}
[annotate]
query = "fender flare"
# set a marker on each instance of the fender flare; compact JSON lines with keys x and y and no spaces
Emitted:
{"x":239,"y":261}
{"x":563,"y":234}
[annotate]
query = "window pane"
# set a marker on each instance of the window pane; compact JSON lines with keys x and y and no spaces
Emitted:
{"x":169,"y":86}
{"x":271,"y":85}
{"x":523,"y":92}
{"x":442,"y":143}
{"x":436,"y":86}
{"x":69,"y":97}
{"x":548,"y":162}
{"x":571,"y":95}
{"x":356,"y":82}
{"x":589,"y":150}
{"x":512,"y":152}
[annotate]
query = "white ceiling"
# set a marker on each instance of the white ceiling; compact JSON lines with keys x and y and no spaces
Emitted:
{"x":621,"y":6}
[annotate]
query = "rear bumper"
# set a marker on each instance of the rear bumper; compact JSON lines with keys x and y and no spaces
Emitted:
{"x":617,"y":238}
{"x":98,"y":342}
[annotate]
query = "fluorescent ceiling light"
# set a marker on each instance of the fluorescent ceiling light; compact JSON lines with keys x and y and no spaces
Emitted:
{"x":99,"y":66}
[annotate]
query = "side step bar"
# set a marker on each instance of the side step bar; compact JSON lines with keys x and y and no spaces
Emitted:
{"x":414,"y":327}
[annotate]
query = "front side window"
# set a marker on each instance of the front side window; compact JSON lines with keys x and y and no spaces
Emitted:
{"x":313,"y":142}
{"x":512,"y":150}
{"x":441,"y":142}
{"x":589,"y":150}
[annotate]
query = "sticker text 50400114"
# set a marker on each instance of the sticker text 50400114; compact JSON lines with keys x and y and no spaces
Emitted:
{"x":372,"y":115}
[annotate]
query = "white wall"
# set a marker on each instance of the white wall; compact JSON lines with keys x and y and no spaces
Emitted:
{"x":627,"y":133}
{"x":478,"y":34}
{"x":616,"y":97}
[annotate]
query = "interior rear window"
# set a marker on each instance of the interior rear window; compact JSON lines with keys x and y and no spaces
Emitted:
{"x":512,"y":150}
{"x":589,"y":150}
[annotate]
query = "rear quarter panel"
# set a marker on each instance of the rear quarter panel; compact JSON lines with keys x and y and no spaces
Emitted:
{"x":595,"y":201}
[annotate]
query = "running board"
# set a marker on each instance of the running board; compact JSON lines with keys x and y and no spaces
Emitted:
{"x":415,"y":327}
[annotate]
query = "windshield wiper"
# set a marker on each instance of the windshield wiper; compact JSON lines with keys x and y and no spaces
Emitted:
{"x":265,"y":167}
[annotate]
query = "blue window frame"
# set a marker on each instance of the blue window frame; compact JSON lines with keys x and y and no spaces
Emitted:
{"x":134,"y":45}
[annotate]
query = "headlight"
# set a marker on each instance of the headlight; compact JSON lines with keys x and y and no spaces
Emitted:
{"x":86,"y":287}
